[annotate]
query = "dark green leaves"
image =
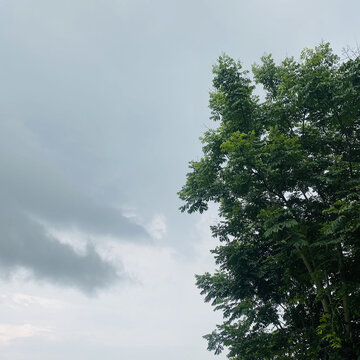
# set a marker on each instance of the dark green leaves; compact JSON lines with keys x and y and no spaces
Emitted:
{"x":286,"y":176}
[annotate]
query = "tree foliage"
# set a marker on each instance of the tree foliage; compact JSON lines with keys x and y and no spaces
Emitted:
{"x":285,"y":172}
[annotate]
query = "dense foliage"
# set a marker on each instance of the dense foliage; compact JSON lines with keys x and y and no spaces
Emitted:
{"x":286,"y":175}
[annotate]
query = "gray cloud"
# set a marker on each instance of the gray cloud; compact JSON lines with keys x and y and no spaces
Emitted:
{"x":25,"y":244}
{"x":31,"y":182}
{"x":101,"y":105}
{"x":32,"y":187}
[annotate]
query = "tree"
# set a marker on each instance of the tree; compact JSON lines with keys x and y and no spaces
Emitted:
{"x":285,"y":173}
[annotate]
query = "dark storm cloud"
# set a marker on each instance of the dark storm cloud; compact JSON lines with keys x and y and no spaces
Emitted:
{"x":25,"y":244}
{"x":32,"y":187}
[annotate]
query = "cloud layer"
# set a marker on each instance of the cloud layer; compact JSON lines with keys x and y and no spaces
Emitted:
{"x":33,"y":191}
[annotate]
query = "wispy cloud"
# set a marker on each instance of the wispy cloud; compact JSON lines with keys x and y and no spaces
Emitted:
{"x":157,"y":226}
{"x":19,"y":300}
{"x":9,"y":333}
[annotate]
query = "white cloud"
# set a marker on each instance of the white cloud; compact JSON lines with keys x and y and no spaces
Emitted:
{"x":75,"y":238}
{"x":24,"y":300}
{"x":10,"y":332}
{"x":157,"y":227}
{"x":163,"y":293}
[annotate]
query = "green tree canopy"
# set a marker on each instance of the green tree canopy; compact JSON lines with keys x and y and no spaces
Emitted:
{"x":286,"y":175}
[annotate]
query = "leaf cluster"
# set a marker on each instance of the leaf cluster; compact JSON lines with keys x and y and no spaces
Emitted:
{"x":286,"y":175}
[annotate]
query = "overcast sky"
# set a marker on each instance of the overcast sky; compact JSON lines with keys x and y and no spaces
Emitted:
{"x":101,"y":107}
